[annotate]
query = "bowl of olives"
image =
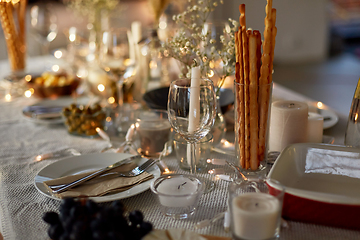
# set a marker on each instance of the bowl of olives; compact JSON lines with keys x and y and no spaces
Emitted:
{"x":82,"y":120}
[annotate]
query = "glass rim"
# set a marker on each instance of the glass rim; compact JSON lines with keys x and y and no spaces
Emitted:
{"x":207,"y":80}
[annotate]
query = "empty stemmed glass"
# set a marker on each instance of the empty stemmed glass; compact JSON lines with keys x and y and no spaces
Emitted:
{"x":115,"y":59}
{"x":191,"y":112}
{"x":43,"y":25}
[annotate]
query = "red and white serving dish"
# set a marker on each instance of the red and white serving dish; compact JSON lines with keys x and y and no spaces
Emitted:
{"x":322,"y":183}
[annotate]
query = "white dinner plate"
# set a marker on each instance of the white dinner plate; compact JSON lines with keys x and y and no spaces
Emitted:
{"x":29,"y":112}
{"x":86,"y":163}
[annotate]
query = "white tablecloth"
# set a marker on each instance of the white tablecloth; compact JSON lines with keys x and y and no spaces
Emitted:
{"x":21,"y":205}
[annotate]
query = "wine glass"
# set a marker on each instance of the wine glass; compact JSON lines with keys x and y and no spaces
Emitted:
{"x":43,"y":25}
{"x":191,"y":112}
{"x":115,"y":59}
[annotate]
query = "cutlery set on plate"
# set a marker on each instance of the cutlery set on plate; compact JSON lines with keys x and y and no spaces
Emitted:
{"x":56,"y":189}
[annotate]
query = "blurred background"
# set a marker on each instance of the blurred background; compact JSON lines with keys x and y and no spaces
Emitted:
{"x":317,"y":46}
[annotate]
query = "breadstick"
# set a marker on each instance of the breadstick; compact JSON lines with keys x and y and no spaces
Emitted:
{"x":242,"y":19}
{"x":273,"y":36}
{"x":253,"y":89}
{"x":265,"y":78}
{"x":246,"y":96}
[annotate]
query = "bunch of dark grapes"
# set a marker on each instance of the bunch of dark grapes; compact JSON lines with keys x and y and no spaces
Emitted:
{"x":85,"y":219}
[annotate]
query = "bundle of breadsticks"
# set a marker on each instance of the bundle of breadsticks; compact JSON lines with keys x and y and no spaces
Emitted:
{"x":12,"y":16}
{"x":253,"y":91}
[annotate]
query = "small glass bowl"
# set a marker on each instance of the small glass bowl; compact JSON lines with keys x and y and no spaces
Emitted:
{"x":178,"y":194}
{"x":81,"y":121}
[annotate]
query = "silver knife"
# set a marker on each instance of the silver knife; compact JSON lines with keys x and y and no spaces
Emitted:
{"x":97,"y":173}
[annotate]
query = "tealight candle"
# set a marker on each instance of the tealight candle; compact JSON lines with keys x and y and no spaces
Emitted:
{"x":178,"y":194}
{"x":255,"y":215}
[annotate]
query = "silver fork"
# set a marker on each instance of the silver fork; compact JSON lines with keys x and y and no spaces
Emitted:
{"x":139,"y":170}
{"x":132,"y":173}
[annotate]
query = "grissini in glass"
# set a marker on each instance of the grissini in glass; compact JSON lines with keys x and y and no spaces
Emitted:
{"x":253,"y":89}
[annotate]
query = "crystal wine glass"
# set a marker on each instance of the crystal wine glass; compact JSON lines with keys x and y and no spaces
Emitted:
{"x":191,"y":112}
{"x":43,"y":25}
{"x":115,"y":59}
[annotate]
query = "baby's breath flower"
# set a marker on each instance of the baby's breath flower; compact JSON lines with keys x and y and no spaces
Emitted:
{"x":195,"y":45}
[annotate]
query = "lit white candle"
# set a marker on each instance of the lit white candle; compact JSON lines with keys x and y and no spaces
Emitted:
{"x":288,"y":124}
{"x":178,"y":192}
{"x":255,"y":215}
{"x":315,"y":127}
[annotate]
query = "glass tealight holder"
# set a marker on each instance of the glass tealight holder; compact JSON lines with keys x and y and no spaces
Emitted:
{"x":255,"y":208}
{"x":178,"y":194}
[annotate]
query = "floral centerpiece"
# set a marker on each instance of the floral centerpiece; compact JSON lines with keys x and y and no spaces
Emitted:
{"x":195,"y":42}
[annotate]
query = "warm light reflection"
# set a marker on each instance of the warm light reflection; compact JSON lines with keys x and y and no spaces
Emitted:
{"x":226,"y":143}
{"x":152,"y":64}
{"x":38,"y":158}
{"x":55,"y":68}
{"x":8,"y":97}
{"x":28,"y":78}
{"x":27,"y":93}
{"x":108,"y":119}
{"x":101,"y":87}
{"x":320,"y":105}
{"x":211,"y":73}
{"x":111,"y":100}
{"x":208,"y":160}
{"x":58,"y":54}
{"x":356,"y":117}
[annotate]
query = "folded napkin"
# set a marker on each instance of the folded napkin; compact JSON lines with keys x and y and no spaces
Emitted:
{"x":99,"y":186}
{"x":173,"y":234}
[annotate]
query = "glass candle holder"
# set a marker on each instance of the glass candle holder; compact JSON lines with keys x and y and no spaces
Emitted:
{"x":178,"y":194}
{"x":153,"y":130}
{"x":255,"y":208}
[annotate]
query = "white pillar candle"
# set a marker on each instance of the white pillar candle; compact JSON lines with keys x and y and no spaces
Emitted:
{"x":255,"y":215}
{"x":288,"y":124}
{"x":178,"y":192}
{"x":315,"y":128}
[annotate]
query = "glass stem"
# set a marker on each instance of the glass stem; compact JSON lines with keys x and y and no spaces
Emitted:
{"x":193,"y":158}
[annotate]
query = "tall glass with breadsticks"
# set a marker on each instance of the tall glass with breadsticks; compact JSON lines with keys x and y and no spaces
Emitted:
{"x":12,"y":17}
{"x":253,"y":89}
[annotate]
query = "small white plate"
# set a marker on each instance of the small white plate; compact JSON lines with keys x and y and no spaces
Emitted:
{"x":330,"y":117}
{"x":86,"y":163}
{"x":29,"y":112}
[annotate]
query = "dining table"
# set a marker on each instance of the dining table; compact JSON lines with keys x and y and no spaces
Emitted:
{"x":22,"y":205}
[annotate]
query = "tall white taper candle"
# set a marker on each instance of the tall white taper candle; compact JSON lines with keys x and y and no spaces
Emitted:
{"x":194,"y":108}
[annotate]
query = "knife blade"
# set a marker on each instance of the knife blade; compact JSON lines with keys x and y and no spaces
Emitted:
{"x":97,"y":173}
